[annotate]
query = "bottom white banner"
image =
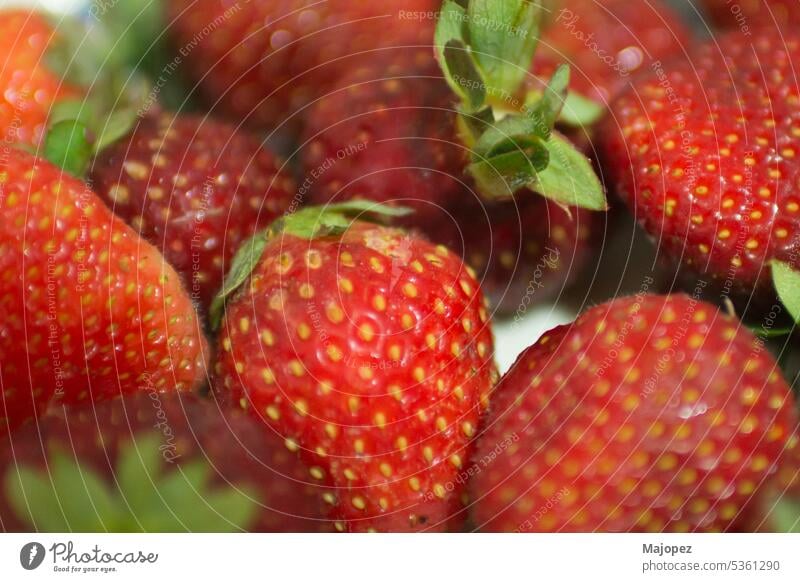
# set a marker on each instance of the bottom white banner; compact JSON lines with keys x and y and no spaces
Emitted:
{"x":351,"y":558}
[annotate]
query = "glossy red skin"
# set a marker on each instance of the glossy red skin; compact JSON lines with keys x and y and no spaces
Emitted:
{"x":586,"y":33}
{"x":28,"y":90}
{"x":387,"y":132}
{"x":711,"y":214}
{"x":196,"y":189}
{"x":376,"y":361}
{"x":525,"y":251}
{"x":63,"y":257}
{"x":240,"y":452}
{"x":747,"y":14}
{"x":264,"y":61}
{"x":649,"y":413}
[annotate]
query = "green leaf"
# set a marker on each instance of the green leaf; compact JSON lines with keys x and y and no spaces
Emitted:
{"x":504,"y":174}
{"x":67,"y":146}
{"x":137,"y":471}
{"x":454,"y":57}
{"x":70,"y":110}
{"x":78,"y":500}
{"x":141,"y":34}
{"x":244,"y":261}
{"x":194,"y":508}
{"x":229,"y":510}
{"x":473,"y":124}
{"x":787,"y":284}
{"x":463,"y":77}
{"x":786,"y":515}
{"x":311,"y":222}
{"x":508,"y":156}
{"x":570,"y":178}
{"x":507,"y":131}
{"x":503,"y":35}
{"x":87,"y":504}
{"x":334,"y":219}
{"x":580,"y":111}
{"x":552,"y":102}
{"x":450,"y":27}
{"x":34,"y":500}
{"x":117,"y":125}
{"x":137,"y":26}
{"x":74,"y":54}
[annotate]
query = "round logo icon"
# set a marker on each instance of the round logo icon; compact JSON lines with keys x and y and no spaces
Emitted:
{"x":31,"y":555}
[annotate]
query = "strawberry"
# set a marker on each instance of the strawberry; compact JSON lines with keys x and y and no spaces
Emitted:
{"x":195,"y":188}
{"x":749,"y":14}
{"x":704,"y":151}
{"x":648,"y":413}
{"x":87,"y":309}
{"x":29,"y":88}
{"x":387,"y":132}
{"x":394,"y":132}
{"x":156,"y":463}
{"x":370,"y":351}
{"x":263,"y":60}
{"x":607,"y":42}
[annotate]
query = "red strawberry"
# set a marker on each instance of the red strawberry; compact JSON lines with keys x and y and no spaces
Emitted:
{"x":370,"y":350}
{"x":157,"y":463}
{"x":706,"y":154}
{"x":265,"y":60}
{"x":389,"y":132}
{"x":87,"y":309}
{"x":195,"y":188}
{"x":605,"y":43}
{"x":648,"y":413}
{"x":747,"y":14}
{"x":28,"y":88}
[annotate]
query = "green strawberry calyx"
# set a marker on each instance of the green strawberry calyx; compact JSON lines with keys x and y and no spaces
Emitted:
{"x":786,"y":515}
{"x":485,"y":49}
{"x":787,"y":283}
{"x":115,"y":95}
{"x":142,"y":497}
{"x":309,"y":223}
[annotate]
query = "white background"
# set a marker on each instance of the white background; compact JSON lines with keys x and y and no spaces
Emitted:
{"x":411,"y":558}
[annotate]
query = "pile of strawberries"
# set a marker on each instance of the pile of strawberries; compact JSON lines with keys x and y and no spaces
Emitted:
{"x":251,"y":258}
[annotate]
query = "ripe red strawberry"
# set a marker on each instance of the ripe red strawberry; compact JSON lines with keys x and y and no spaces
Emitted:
{"x":265,"y":60}
{"x":195,"y":188}
{"x":705,"y":152}
{"x":28,"y":88}
{"x":747,"y":14}
{"x":370,"y":351}
{"x":389,"y":132}
{"x":87,"y":309}
{"x":608,"y":42}
{"x":648,"y":413}
{"x":156,"y":463}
